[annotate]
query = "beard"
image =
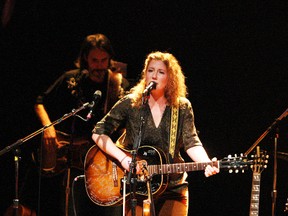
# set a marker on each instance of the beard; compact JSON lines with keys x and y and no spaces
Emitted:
{"x":97,"y":75}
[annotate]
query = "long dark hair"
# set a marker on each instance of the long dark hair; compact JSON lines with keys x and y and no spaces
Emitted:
{"x":99,"y":41}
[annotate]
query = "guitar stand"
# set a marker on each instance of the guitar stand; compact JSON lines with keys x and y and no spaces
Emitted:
{"x":273,"y":125}
{"x":72,"y":194}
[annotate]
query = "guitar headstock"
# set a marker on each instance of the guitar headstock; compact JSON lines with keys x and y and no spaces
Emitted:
{"x":235,"y":163}
{"x":260,"y":160}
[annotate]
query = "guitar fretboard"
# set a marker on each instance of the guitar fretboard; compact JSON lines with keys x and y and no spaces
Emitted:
{"x":180,"y":167}
{"x":255,"y":192}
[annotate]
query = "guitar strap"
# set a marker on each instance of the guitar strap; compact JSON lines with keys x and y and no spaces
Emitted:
{"x":173,"y":129}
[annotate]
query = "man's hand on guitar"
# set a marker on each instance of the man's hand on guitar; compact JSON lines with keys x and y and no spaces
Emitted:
{"x":50,"y":138}
{"x":49,"y":155}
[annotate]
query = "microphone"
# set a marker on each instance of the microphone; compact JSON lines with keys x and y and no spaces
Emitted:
{"x":148,"y":89}
{"x":96,"y":97}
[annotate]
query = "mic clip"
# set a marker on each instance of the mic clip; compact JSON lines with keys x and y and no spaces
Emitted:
{"x":97,"y":96}
{"x":149,"y":88}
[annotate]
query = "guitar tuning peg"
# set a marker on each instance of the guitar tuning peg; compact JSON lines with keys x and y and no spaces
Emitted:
{"x":236,"y":171}
{"x":243,"y":171}
{"x":229,"y":156}
{"x":230,"y":171}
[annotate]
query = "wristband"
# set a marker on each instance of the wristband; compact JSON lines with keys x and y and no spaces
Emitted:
{"x":123,"y":159}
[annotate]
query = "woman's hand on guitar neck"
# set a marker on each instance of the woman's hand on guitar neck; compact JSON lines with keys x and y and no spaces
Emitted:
{"x":211,"y":170}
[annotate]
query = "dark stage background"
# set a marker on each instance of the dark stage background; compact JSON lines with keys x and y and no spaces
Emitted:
{"x":233,"y":53}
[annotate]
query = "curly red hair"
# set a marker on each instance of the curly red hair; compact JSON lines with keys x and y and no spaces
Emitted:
{"x":176,"y":86}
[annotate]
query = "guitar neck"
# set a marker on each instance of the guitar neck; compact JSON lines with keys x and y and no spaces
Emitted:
{"x":180,"y":167}
{"x":255,"y":192}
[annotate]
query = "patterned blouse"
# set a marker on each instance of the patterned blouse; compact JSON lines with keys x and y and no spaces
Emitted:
{"x":123,"y":114}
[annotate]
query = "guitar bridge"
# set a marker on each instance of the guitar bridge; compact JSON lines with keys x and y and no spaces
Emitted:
{"x":141,"y":186}
{"x":114,"y":174}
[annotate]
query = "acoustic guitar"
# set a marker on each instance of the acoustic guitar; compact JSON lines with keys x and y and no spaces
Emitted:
{"x":73,"y":154}
{"x":103,"y":174}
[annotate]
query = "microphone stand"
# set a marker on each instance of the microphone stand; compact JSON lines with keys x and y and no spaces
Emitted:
{"x":17,"y":158}
{"x":69,"y":162}
{"x":28,"y":137}
{"x":273,"y":125}
{"x":149,"y":202}
{"x":286,"y":206}
{"x":132,"y":176}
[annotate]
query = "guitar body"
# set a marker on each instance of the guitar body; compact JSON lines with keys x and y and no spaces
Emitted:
{"x":22,"y":211}
{"x":104,"y":176}
{"x":58,"y":157}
